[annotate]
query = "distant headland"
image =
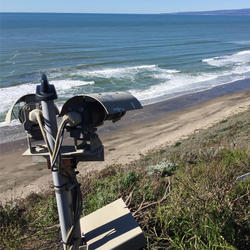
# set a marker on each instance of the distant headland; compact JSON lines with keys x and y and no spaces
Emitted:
{"x":216,"y":12}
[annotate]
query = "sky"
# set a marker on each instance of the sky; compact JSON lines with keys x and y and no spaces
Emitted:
{"x":119,"y":6}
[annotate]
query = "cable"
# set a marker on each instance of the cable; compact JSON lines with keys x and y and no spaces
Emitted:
{"x":60,"y":132}
{"x":38,"y":118}
{"x":58,"y":141}
{"x":56,"y":156}
{"x":48,"y":132}
{"x":76,"y":192}
{"x":77,"y":213}
{"x":71,"y":118}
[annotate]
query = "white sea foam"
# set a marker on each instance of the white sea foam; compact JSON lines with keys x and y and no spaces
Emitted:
{"x":10,"y":94}
{"x":68,"y":84}
{"x":244,"y":69}
{"x":13,"y":123}
{"x":238,"y":58}
{"x":172,"y":81}
{"x":122,"y":72}
{"x":182,"y":83}
{"x":245,"y":42}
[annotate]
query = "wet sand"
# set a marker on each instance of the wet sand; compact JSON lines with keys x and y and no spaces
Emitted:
{"x":153,"y":127}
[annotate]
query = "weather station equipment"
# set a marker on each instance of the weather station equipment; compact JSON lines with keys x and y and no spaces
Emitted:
{"x":110,"y":227}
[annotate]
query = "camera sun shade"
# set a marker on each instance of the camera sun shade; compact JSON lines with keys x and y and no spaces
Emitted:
{"x":22,"y":101}
{"x":20,"y":110}
{"x":96,"y":108}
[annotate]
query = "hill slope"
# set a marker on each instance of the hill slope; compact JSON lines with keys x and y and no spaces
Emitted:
{"x":183,"y":196}
{"x":216,"y":12}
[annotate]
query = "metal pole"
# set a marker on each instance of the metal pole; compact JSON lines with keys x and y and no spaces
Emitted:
{"x":46,"y":93}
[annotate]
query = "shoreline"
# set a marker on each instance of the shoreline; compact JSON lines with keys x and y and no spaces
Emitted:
{"x":151,"y":128}
{"x":150,"y":112}
{"x":158,"y":110}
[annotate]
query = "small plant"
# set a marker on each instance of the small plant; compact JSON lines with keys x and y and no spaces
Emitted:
{"x":166,"y":168}
{"x":223,"y":121}
{"x":178,"y":143}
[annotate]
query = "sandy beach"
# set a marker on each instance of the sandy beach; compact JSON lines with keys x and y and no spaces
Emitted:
{"x":152,"y":128}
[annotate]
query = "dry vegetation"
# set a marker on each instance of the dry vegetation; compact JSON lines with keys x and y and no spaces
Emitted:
{"x":183,"y":196}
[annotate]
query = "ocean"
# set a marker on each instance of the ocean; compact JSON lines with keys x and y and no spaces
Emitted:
{"x":154,"y":57}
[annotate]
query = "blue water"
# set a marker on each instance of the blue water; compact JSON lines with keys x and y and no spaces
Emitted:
{"x":155,"y":57}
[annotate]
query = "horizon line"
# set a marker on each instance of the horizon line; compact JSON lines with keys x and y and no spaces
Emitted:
{"x":112,"y":13}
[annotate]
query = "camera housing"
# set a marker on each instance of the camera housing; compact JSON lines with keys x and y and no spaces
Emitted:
{"x":96,"y":108}
{"x":93,"y":110}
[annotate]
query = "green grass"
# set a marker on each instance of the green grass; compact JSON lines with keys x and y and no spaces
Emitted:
{"x":183,"y":196}
{"x":26,"y":224}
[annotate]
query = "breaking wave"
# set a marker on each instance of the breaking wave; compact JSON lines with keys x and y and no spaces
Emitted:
{"x":149,"y":83}
{"x":238,"y":58}
{"x":10,"y":94}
